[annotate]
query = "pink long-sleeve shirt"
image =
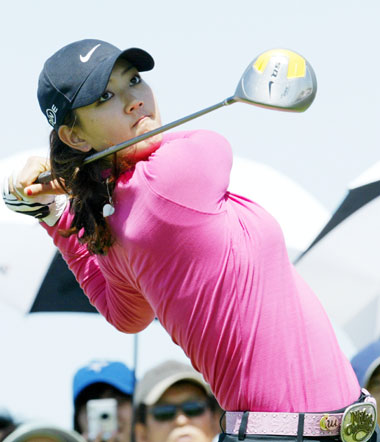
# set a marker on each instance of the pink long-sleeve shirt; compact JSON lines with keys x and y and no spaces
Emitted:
{"x":214,"y":269}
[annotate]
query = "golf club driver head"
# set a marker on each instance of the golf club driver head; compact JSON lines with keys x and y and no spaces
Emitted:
{"x":278,"y":79}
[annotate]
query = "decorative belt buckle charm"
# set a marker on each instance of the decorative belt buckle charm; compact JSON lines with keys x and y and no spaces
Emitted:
{"x":329,"y":423}
{"x":358,"y":423}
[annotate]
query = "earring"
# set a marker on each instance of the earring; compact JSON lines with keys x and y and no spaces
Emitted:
{"x":108,"y":209}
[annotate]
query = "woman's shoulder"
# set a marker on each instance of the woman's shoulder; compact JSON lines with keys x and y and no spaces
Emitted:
{"x":191,"y":134}
{"x":193,"y":174}
{"x":190,"y":149}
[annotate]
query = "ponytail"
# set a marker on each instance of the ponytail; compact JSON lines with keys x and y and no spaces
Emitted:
{"x":87,"y":189}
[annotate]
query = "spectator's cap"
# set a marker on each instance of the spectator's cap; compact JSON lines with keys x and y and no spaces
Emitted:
{"x":365,"y":362}
{"x":157,"y":380}
{"x":37,"y":430}
{"x":114,"y":373}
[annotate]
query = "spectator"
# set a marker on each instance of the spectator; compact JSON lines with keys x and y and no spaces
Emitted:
{"x":101,"y":380}
{"x":42,"y":432}
{"x":366,"y":364}
{"x":172,"y":401}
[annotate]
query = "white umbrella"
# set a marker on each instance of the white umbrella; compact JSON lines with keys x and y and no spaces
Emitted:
{"x":26,"y":250}
{"x":342,"y":263}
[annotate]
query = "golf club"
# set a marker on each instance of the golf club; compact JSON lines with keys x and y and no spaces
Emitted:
{"x":277,"y":79}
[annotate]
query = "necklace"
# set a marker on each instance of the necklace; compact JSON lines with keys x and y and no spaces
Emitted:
{"x":108,"y":208}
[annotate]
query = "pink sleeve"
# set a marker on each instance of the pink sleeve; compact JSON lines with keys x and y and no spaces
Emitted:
{"x":99,"y":277}
{"x":191,"y":168}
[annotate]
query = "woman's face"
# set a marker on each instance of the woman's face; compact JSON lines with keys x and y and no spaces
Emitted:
{"x":126,"y":110}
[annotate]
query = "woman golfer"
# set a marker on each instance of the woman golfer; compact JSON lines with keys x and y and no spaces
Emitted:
{"x":154,"y":232}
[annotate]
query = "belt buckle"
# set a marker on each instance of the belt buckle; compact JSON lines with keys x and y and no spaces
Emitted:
{"x":358,"y":422}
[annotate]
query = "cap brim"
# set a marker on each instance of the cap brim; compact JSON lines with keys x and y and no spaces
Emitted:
{"x":139,"y":58}
{"x":95,"y":84}
{"x":41,"y":430}
{"x":159,"y":389}
{"x":109,"y":380}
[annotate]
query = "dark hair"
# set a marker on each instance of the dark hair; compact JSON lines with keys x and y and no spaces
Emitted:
{"x":95,"y":391}
{"x":86,"y":186}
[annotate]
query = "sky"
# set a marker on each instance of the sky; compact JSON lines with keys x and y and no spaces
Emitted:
{"x":201,"y":48}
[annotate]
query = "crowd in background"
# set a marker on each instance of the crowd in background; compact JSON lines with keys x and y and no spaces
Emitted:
{"x":171,"y":402}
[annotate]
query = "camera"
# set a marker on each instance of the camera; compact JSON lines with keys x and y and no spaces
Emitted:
{"x":102,"y":418}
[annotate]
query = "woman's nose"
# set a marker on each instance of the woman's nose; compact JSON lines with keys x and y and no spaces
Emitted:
{"x":133,"y":105}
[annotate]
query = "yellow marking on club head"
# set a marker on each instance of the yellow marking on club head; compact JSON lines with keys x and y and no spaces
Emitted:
{"x":296,"y":64}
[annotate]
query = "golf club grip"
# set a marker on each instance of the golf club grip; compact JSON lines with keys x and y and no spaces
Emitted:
{"x":44,"y":177}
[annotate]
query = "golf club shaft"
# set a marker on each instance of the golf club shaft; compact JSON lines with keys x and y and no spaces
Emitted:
{"x":45,"y":177}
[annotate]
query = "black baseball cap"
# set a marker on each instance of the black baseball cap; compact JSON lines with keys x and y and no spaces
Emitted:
{"x":77,"y":75}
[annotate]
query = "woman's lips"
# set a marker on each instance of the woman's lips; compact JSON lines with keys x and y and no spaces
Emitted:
{"x":142,"y":118}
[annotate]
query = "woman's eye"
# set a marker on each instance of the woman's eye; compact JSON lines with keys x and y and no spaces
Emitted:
{"x":105,"y":97}
{"x":136,"y":79}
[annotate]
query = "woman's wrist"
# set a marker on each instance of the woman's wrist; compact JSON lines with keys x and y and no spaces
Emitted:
{"x":56,"y":209}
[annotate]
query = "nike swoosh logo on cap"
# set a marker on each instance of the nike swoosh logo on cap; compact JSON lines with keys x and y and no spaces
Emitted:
{"x":85,"y":58}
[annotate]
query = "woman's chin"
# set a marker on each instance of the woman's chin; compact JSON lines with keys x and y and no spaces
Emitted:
{"x":142,"y":151}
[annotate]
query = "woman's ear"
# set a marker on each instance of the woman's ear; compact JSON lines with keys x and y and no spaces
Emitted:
{"x":69,"y":136}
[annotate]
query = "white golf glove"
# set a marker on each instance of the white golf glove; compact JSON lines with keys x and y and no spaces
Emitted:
{"x":47,"y":208}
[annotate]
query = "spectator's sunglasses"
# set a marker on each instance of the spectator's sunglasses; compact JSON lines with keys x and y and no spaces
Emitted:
{"x":167,"y":412}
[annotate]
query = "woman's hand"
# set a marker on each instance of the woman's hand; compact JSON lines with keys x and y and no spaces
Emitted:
{"x":23,"y":183}
{"x":46,"y":202}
